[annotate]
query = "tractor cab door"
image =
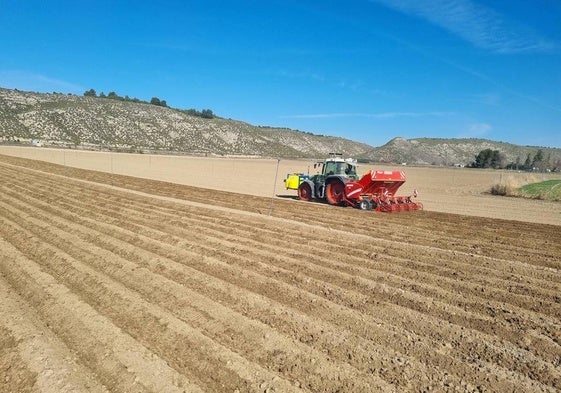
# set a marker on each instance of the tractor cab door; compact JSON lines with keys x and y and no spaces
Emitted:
{"x":350,"y":171}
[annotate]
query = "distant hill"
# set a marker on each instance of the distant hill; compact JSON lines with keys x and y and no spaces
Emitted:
{"x":448,"y":152}
{"x":87,"y":122}
{"x":93,"y":122}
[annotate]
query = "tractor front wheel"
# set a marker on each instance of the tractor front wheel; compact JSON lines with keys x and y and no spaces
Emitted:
{"x":304,"y":192}
{"x":334,"y":192}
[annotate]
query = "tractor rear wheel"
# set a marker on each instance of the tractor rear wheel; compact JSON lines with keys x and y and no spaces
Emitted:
{"x":334,"y":192}
{"x":304,"y":192}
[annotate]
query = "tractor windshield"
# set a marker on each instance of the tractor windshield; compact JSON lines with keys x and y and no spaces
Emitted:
{"x":340,"y":168}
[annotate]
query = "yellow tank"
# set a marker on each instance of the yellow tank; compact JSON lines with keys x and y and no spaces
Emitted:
{"x":293,"y":180}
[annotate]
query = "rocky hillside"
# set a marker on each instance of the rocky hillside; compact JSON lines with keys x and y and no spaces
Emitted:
{"x":104,"y":123}
{"x":433,"y":151}
{"x":93,"y":122}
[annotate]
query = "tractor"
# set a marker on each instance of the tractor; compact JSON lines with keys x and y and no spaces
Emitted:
{"x":337,"y":183}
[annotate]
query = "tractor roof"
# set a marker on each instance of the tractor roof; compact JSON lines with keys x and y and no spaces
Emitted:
{"x":340,"y":159}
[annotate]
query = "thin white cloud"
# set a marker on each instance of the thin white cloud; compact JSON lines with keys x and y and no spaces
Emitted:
{"x":30,"y":81}
{"x":477,"y":130}
{"x":384,"y":115}
{"x":478,"y":24}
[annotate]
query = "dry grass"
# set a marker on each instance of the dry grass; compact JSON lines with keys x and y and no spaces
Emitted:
{"x":527,"y":185}
{"x":509,"y":184}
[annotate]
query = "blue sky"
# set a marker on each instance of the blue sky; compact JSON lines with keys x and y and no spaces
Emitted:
{"x":368,"y":70}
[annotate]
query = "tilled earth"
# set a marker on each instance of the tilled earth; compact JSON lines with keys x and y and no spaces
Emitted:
{"x":113,"y":283}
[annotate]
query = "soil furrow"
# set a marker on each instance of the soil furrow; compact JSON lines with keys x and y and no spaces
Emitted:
{"x":397,"y":365}
{"x":111,"y":265}
{"x":532,"y":235}
{"x":512,"y":275}
{"x":533,"y":245}
{"x":492,"y":307}
{"x":119,"y":363}
{"x":313,"y":298}
{"x":485,"y":291}
{"x":488,"y":348}
{"x":51,"y":366}
{"x":162,"y":333}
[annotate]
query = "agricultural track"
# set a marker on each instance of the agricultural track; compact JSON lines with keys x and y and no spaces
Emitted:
{"x":117,"y":284}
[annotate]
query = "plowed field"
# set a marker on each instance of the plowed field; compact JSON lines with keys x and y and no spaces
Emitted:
{"x":111,"y":283}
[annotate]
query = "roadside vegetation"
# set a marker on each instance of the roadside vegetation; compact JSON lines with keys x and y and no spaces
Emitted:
{"x":548,"y":190}
{"x":537,"y":162}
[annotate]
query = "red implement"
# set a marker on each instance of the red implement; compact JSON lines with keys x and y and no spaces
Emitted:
{"x":380,"y":187}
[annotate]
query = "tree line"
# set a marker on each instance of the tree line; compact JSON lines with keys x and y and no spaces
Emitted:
{"x":489,"y":158}
{"x":205,"y":113}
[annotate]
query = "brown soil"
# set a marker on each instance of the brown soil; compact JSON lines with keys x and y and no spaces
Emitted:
{"x":446,"y":190}
{"x":116,"y":283}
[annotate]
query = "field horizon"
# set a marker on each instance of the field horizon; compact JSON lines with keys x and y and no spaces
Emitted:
{"x":441,"y":189}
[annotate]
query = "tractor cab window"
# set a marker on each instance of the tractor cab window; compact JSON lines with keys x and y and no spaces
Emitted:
{"x":339,"y":168}
{"x":331,"y":168}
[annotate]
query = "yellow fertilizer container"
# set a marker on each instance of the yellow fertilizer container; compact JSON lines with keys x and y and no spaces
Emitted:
{"x":293,"y":180}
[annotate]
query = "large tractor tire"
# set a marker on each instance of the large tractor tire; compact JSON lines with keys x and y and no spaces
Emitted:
{"x":305,"y":192}
{"x":335,"y":192}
